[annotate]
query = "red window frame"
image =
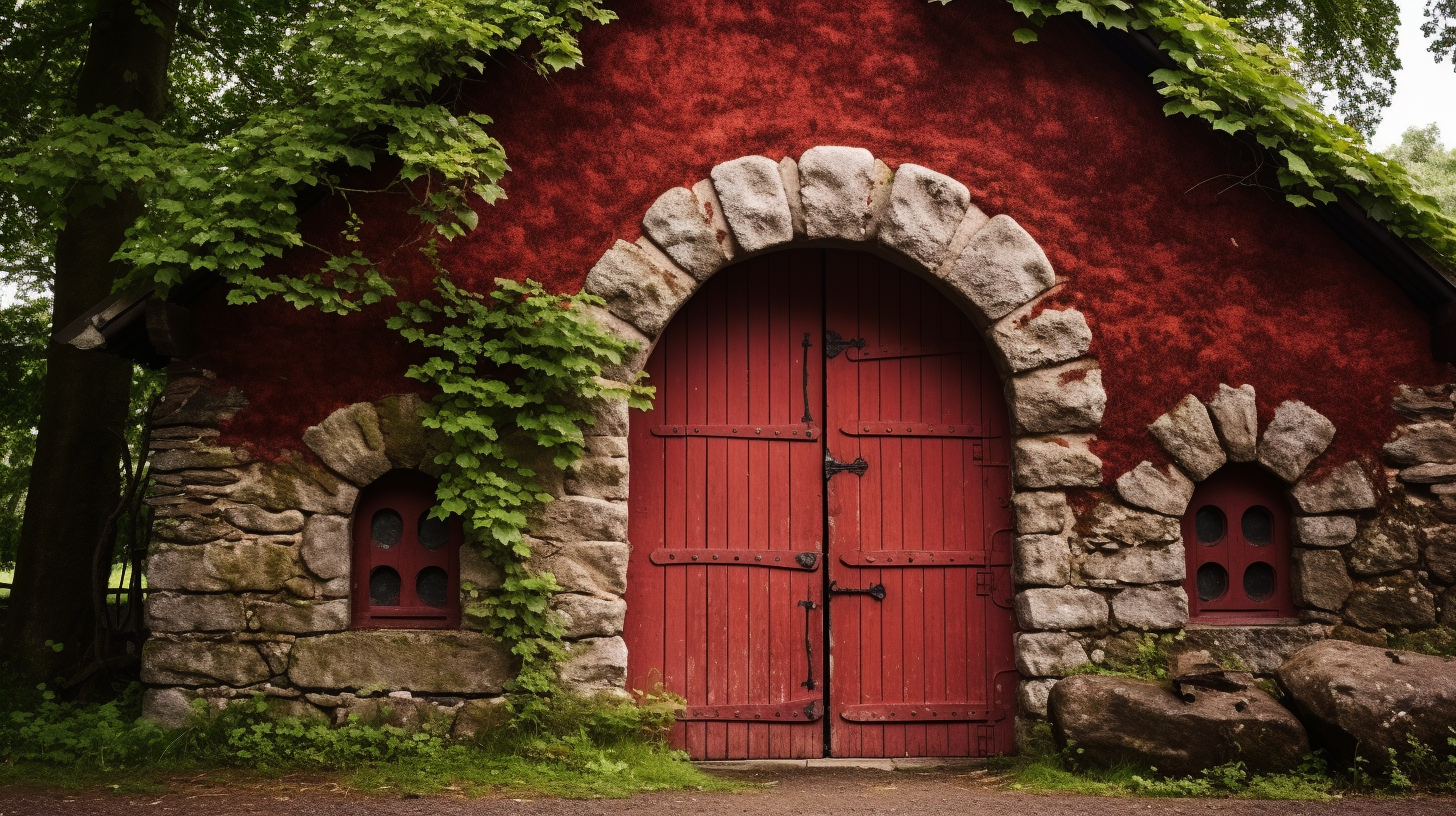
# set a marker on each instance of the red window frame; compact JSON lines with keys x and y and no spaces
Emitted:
{"x":411,"y":494}
{"x":1231,"y":495}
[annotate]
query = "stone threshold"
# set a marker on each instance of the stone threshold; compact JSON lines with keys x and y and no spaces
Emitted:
{"x":861,"y":763}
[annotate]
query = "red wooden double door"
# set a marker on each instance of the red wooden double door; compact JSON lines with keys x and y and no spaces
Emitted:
{"x":820,"y":518}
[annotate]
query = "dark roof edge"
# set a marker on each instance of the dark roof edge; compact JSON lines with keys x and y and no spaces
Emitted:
{"x":1413,"y":267}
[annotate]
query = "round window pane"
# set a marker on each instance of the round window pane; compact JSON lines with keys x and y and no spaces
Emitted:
{"x":384,"y":587}
{"x":386,"y":528}
{"x":1212,"y":581}
{"x":1258,"y":526}
{"x":1209,"y":524}
{"x":1259,"y":581}
{"x":434,"y":533}
{"x":430,"y":586}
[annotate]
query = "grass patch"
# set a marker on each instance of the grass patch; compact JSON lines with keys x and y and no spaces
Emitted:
{"x":578,"y":749}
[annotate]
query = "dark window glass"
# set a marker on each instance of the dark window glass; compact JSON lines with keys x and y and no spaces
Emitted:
{"x":1212,"y":581}
{"x":1259,"y":581}
{"x":433,"y":532}
{"x":386,"y":528}
{"x":1209,"y":523}
{"x":430,"y":585}
{"x":1258,"y":524}
{"x":384,"y":587}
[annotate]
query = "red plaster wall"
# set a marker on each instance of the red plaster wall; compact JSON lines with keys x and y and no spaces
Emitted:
{"x":1185,"y":281}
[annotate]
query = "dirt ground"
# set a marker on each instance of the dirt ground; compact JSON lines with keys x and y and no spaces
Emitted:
{"x":792,"y":792}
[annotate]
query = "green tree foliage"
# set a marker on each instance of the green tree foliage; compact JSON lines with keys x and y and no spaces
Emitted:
{"x":23,"y":329}
{"x":1431,"y":165}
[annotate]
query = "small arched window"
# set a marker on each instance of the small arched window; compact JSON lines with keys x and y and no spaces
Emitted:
{"x":406,"y":571}
{"x":1236,"y":539}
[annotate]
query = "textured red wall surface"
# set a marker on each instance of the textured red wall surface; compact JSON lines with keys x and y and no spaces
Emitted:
{"x":1186,"y":281}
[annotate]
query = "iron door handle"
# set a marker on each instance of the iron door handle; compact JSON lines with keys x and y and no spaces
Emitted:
{"x":809,"y":607}
{"x":832,"y":466}
{"x":876,"y":591}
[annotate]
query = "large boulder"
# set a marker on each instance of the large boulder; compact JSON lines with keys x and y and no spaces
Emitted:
{"x":1368,"y":700}
{"x":1115,"y":720}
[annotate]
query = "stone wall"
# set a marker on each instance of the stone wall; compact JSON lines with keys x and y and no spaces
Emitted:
{"x":249,"y":569}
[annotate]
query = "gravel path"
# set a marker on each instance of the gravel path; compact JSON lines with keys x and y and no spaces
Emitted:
{"x":792,"y":792}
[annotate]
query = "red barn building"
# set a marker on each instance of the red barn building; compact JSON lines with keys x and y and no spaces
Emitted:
{"x":972,"y":367}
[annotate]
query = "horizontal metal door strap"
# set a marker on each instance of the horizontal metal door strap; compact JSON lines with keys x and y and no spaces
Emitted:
{"x":914,"y":558}
{"x":803,"y":561}
{"x":917,"y":712}
{"x":890,"y":427}
{"x":806,"y":710}
{"x":773,"y":433}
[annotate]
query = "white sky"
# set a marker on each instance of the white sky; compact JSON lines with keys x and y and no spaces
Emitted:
{"x":1425,"y":90}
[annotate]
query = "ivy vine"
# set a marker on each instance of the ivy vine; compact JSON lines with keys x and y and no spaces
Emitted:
{"x":1238,"y":85}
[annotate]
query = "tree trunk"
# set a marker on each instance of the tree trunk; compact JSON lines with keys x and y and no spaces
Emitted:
{"x":75,"y":476}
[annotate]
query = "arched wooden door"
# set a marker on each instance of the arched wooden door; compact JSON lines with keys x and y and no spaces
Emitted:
{"x":820,"y":518}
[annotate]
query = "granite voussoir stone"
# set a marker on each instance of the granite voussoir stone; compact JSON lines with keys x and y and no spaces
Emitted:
{"x":351,"y":442}
{"x":1001,"y":268}
{"x":836,"y":186}
{"x":1297,"y":436}
{"x":638,"y":288}
{"x":1024,"y":342}
{"x":1344,"y":488}
{"x":1162,"y":491}
{"x":1187,"y":434}
{"x":925,"y":208}
{"x":1063,"y":399}
{"x":755,"y":204}
{"x":1236,"y":420}
{"x":679,"y":225}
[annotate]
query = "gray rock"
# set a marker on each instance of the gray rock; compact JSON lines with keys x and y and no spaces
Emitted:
{"x":351,"y":443}
{"x":598,"y":477}
{"x":1424,"y":442}
{"x":610,"y":446}
{"x":1297,"y":436}
{"x":1370,"y":700}
{"x":197,"y":458}
{"x":925,"y":208}
{"x":578,"y":518}
{"x":477,"y":718}
{"x":1048,"y":654}
{"x":637,"y":288}
{"x":476,"y":570}
{"x":257,"y":520}
{"x":754,"y":202}
{"x":193,"y":530}
{"x":595,"y":666}
{"x":1137,"y":565}
{"x":712,"y":207}
{"x":1044,"y":560}
{"x":302,"y":618}
{"x":1236,"y":420}
{"x":1344,"y":488}
{"x":589,"y":615}
{"x":201,"y":663}
{"x":677,"y":222}
{"x":615,"y":326}
{"x":326,"y":548}
{"x":1041,"y":511}
{"x":1320,"y":580}
{"x":881,"y":178}
{"x":1429,"y":474}
{"x":1391,"y":601}
{"x":1062,"y":461}
{"x":1116,"y":721}
{"x":1001,"y":268}
{"x":222,"y":566}
{"x":1386,"y":545}
{"x":411,"y":714}
{"x":1032,"y":696}
{"x":1420,"y":405}
{"x":1441,"y":553}
{"x":590,"y":567}
{"x":1261,"y":648}
{"x":1324,"y":531}
{"x":1024,"y":342}
{"x":1060,"y":609}
{"x":789,"y":172}
{"x":836,"y":186}
{"x":1063,"y":399}
{"x":431,"y":662}
{"x":407,"y":443}
{"x":172,"y":612}
{"x":167,"y":707}
{"x":1113,"y":522}
{"x":1187,"y":434}
{"x":1162,"y":491}
{"x":294,"y":484}
{"x":1151,"y":608}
